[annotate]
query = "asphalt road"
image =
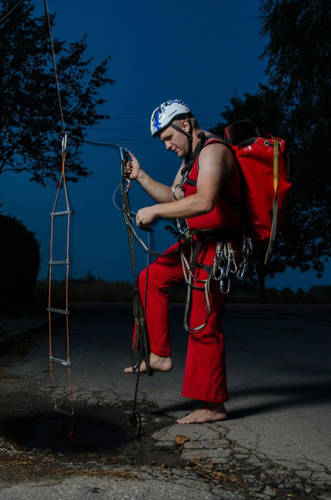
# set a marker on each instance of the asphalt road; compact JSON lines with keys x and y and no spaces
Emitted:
{"x":279,"y":374}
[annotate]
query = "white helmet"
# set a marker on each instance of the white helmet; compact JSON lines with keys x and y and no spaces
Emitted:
{"x":164,"y":114}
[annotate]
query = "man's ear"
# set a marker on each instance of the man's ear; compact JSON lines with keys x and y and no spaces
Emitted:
{"x":186,"y":125}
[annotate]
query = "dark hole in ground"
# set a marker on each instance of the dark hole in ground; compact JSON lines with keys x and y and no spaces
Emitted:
{"x":105,"y":434}
{"x":65,"y":434}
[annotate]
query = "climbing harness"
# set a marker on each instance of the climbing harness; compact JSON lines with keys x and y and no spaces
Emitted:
{"x":225,"y":263}
{"x":261,"y":162}
{"x":225,"y":268}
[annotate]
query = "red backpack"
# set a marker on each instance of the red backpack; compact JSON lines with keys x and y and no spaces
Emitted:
{"x":264,"y":170}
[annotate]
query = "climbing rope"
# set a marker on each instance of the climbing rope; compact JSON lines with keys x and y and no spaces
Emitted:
{"x":141,"y":348}
{"x":54,"y":63}
{"x":141,"y":345}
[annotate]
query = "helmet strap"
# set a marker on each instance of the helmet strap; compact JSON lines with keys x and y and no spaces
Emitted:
{"x":190,"y":138}
{"x":189,"y":135}
{"x":190,"y":158}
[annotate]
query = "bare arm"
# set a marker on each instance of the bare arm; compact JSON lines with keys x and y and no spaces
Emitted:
{"x":158,"y":191}
{"x":214,"y":162}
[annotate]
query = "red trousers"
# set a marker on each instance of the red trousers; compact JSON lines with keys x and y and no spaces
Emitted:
{"x":204,"y":377}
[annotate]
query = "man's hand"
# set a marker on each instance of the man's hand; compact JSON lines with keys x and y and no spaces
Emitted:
{"x":145,"y":217}
{"x":132,"y":167}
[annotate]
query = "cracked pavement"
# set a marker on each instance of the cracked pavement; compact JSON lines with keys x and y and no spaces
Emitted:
{"x":275,"y":443}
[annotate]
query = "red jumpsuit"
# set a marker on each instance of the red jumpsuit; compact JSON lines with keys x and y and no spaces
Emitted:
{"x":205,"y":377}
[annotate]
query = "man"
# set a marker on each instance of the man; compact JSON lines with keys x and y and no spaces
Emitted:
{"x":207,"y":167}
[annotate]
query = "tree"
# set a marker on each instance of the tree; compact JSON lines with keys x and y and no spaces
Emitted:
{"x":295,"y":104}
{"x":30,"y":120}
{"x":19,"y":265}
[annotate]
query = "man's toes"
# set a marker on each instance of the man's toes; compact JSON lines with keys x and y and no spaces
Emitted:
{"x":202,"y":416}
{"x":134,"y":368}
{"x":185,"y":420}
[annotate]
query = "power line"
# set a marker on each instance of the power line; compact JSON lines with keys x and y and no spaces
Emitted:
{"x":4,"y":17}
{"x":134,"y":127}
{"x":124,"y":141}
{"x":147,"y":118}
{"x":54,"y":63}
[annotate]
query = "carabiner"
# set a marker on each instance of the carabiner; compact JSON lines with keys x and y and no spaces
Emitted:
{"x":224,"y":282}
{"x":242,"y":270}
{"x":64,"y":142}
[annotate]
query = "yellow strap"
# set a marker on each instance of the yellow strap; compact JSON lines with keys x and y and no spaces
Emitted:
{"x":274,"y":207}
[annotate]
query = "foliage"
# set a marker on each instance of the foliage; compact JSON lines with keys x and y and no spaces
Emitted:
{"x":295,"y":104}
{"x":19,"y":264}
{"x":85,"y":289}
{"x":30,"y":119}
{"x":99,"y":290}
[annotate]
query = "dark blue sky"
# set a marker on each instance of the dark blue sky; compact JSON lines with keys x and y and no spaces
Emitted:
{"x":200,"y":52}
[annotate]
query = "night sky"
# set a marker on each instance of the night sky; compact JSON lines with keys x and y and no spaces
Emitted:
{"x":203,"y":53}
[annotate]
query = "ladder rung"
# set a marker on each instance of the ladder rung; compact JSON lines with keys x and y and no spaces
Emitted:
{"x":58,"y":262}
{"x":64,"y":412}
{"x":63,"y":362}
{"x":55,"y":310}
{"x":64,"y":212}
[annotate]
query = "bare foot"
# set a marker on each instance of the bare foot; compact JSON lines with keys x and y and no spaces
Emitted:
{"x":158,"y":363}
{"x":209,"y":412}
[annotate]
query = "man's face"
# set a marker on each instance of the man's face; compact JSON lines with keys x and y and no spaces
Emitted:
{"x":175,"y":141}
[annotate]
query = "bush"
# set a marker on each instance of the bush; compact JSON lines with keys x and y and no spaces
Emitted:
{"x":19,"y":264}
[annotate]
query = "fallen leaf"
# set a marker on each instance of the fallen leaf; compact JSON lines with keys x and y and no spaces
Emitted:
{"x":180,"y":439}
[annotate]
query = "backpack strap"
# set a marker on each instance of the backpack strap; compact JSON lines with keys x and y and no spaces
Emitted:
{"x":204,"y":141}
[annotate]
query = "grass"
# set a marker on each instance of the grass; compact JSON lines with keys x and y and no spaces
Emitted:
{"x":98,"y":290}
{"x":92,"y":289}
{"x":5,"y":331}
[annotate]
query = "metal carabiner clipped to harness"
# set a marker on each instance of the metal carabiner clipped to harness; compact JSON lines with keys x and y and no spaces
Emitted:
{"x":247,"y":252}
{"x":225,"y":285}
{"x":225,"y":266}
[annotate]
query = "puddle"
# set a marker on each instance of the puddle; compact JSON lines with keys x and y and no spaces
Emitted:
{"x":49,"y":432}
{"x":98,"y":437}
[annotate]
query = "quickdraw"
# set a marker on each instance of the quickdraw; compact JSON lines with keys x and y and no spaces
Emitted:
{"x":225,"y":265}
{"x":247,"y":253}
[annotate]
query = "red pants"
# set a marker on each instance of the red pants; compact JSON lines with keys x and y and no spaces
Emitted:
{"x":204,"y":377}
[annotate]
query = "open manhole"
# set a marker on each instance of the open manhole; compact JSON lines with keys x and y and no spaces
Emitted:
{"x":105,"y":434}
{"x":65,"y":434}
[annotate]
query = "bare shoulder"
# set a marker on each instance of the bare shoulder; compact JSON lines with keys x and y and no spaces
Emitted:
{"x":216,"y":155}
